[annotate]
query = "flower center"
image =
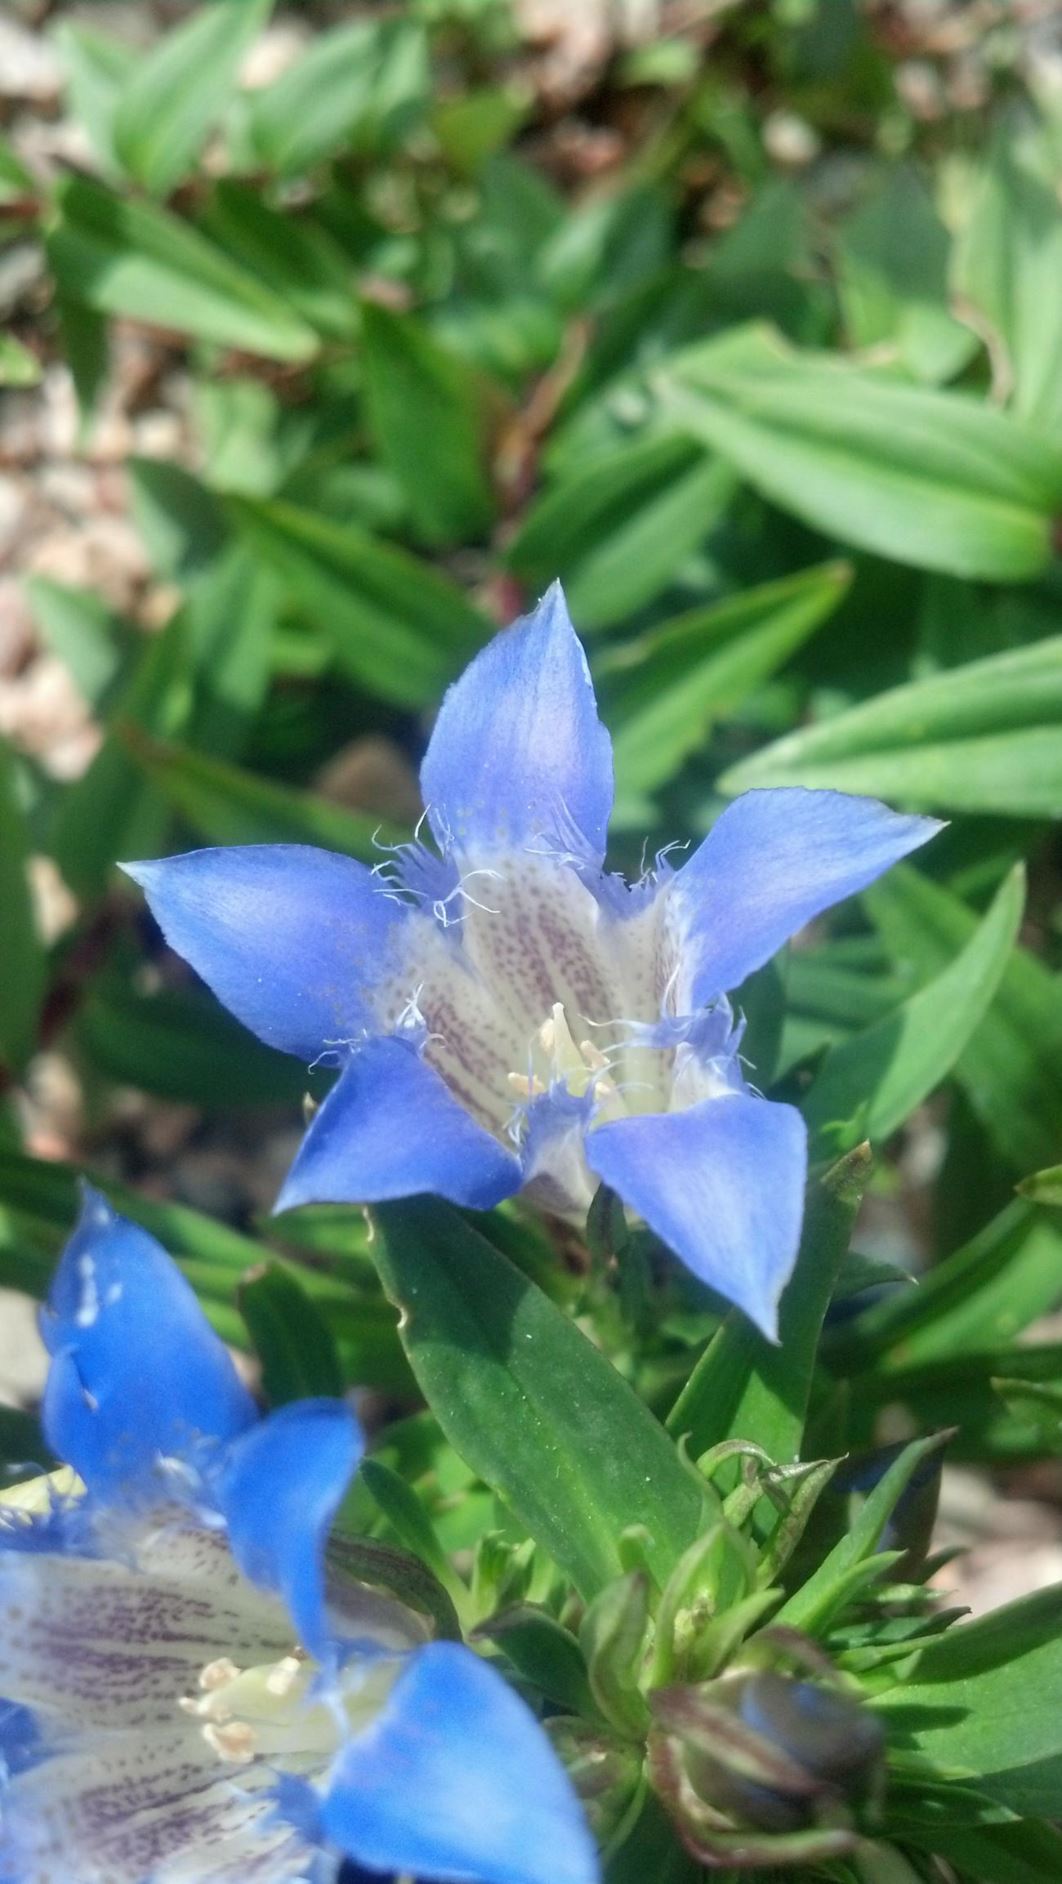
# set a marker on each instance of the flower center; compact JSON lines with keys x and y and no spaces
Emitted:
{"x":555,"y":1059}
{"x":270,"y":1712}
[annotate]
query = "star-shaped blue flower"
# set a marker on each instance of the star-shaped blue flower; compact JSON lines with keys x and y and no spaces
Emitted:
{"x":505,"y":1014}
{"x":188,"y":1697}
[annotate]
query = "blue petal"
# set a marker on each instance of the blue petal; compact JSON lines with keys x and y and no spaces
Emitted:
{"x":723,"y":1185}
{"x":390,"y":1127}
{"x":773,"y":861}
{"x":21,"y":1744}
{"x":518,"y":757}
{"x":288,"y":937}
{"x":137,"y":1372}
{"x":279,"y":1489}
{"x":455,"y":1779}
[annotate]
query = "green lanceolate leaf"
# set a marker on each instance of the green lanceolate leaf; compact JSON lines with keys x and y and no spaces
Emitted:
{"x":299,"y":259}
{"x":744,"y":1387}
{"x":229,"y":805}
{"x":1011,"y":1069}
{"x":290,"y":1336}
{"x":935,"y":479}
{"x":983,"y":737}
{"x":177,"y":91}
{"x":984,"y":1702}
{"x":429,"y":419}
{"x":528,"y":1402}
{"x":49,"y":1192}
{"x":543,"y":1652}
{"x":23,"y":976}
{"x":1022,"y":1851}
{"x":870,"y":1083}
{"x":1044,"y":1187}
{"x":87,"y":638}
{"x":19,"y":366}
{"x":978,"y":1298}
{"x":368,"y":1560}
{"x":361,"y":84}
{"x":1007,"y":264}
{"x":813,"y":1606}
{"x":411,"y":1524}
{"x":98,"y":67}
{"x":893,"y":279}
{"x":178,"y":1044}
{"x":619,"y":526}
{"x":661,"y":692}
{"x":122,"y":256}
{"x":398,"y":627}
{"x":110,"y":811}
{"x":1037,"y":1402}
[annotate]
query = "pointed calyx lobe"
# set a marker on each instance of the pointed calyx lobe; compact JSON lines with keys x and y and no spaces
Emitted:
{"x":504,"y":1013}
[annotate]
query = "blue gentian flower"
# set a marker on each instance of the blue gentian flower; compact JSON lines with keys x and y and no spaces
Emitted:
{"x":189,"y":1697}
{"x":505,"y":1015}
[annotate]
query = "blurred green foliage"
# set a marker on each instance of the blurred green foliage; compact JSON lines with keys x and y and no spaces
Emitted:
{"x":763,"y":358}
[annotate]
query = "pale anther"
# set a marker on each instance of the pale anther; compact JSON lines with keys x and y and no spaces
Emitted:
{"x":234,"y":1742}
{"x":217,"y":1674}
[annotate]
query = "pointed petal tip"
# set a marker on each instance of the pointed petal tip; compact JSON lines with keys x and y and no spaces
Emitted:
{"x":518,"y":752}
{"x":722,"y":1184}
{"x":764,"y":1317}
{"x":96,"y":1211}
{"x":293,"y":1193}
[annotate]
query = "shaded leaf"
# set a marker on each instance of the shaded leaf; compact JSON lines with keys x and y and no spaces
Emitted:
{"x":983,"y":1703}
{"x":398,"y":627}
{"x":933,"y":479}
{"x":661,"y":692}
{"x":981,"y":1296}
{"x":1011,"y":1069}
{"x":110,"y":812}
{"x":23,"y":977}
{"x":871,"y":1082}
{"x":176,"y":92}
{"x":815,"y":1604}
{"x":180,"y":1045}
{"x":229,"y":805}
{"x":744,"y":1387}
{"x":527,"y":1401}
{"x":429,"y":419}
{"x":617,"y":528}
{"x":984,"y":736}
{"x":127,"y":257}
{"x":290,"y":1336}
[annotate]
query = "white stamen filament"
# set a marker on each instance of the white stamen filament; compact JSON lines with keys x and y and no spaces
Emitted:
{"x":554,"y":1059}
{"x":270,"y":1711}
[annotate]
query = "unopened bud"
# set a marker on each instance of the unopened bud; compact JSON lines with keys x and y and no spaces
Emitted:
{"x":772,"y":1753}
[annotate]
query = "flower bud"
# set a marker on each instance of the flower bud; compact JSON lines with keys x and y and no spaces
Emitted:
{"x":772,"y":1753}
